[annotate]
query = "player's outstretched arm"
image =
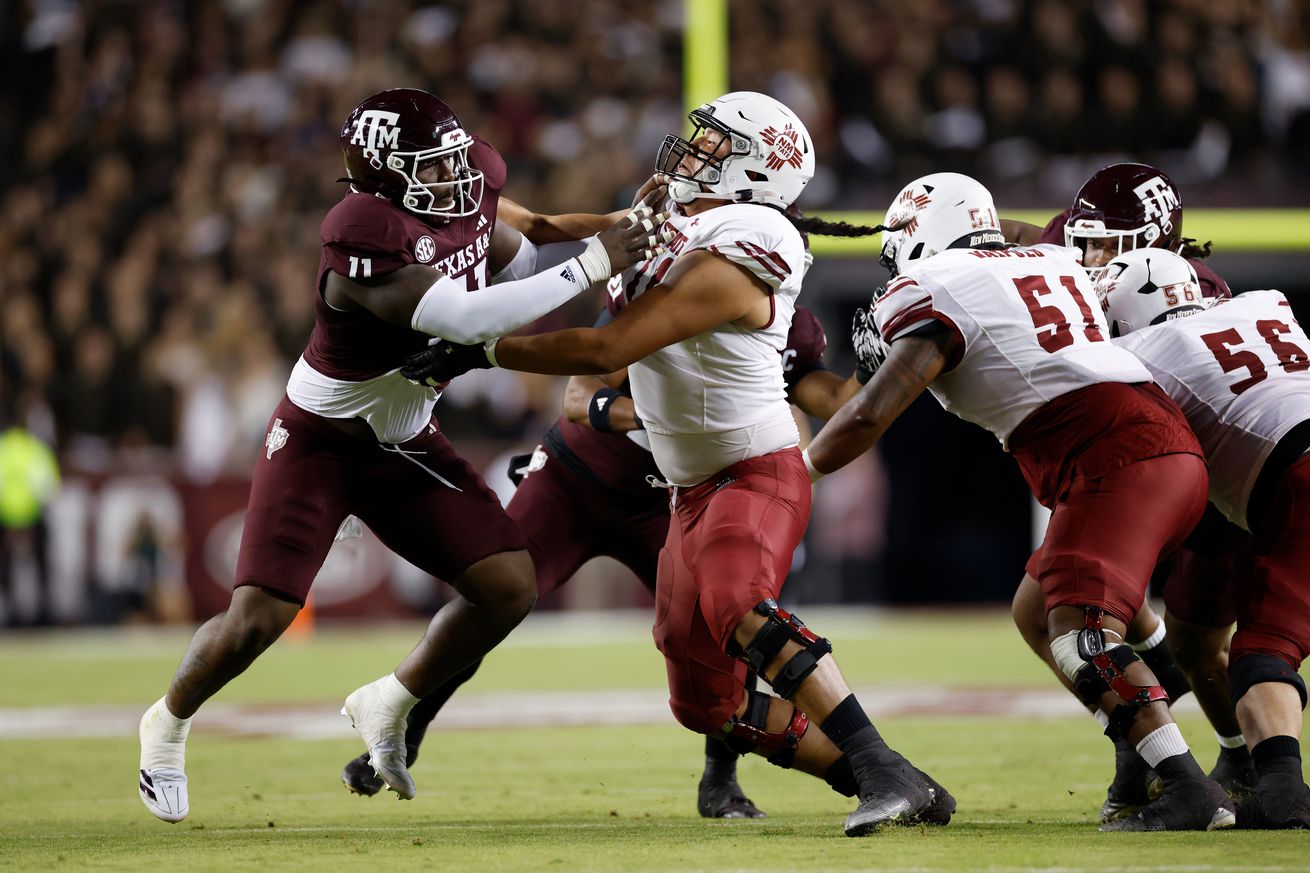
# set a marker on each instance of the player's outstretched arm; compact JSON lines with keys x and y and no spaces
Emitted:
{"x":597,"y":402}
{"x":544,"y":229}
{"x":912,"y":364}
{"x":525,"y":242}
{"x":1020,"y":232}
{"x":429,"y":301}
{"x":823,"y":392}
{"x":700,"y":292}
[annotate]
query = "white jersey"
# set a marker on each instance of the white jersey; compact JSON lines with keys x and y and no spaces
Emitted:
{"x":1241,"y":373}
{"x":718,"y":398}
{"x":1029,"y":325}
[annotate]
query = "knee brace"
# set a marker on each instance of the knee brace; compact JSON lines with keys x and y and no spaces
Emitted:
{"x":749,"y":733}
{"x":1097,"y":669}
{"x":1256,"y":668}
{"x":780,"y":628}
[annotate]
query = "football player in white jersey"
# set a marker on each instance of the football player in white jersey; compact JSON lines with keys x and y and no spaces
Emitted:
{"x":701,"y":336}
{"x":1121,"y":207}
{"x":1011,"y":338}
{"x":1240,"y":370}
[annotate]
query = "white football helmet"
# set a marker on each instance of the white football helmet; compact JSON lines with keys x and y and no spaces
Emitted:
{"x":1147,"y":286}
{"x":769,"y":160}
{"x":934,"y":213}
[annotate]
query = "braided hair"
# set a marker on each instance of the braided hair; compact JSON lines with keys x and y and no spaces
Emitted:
{"x":1189,"y":248}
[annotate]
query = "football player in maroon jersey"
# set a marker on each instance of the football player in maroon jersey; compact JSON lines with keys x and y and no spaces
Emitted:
{"x":415,"y":233}
{"x":585,"y":492}
{"x":1119,"y":208}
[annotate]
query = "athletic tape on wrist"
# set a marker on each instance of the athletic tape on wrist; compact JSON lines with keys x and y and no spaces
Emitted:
{"x":815,"y":474}
{"x":594,"y":261}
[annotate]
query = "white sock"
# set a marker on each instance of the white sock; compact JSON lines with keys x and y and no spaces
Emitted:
{"x":1152,"y":641}
{"x":163,"y":739}
{"x":1231,"y":742}
{"x":395,"y":696}
{"x":170,"y":728}
{"x":1163,"y":742}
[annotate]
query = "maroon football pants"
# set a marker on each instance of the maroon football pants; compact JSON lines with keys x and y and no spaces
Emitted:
{"x":569,"y":520}
{"x":421,"y":499}
{"x":1107,"y":533}
{"x":729,"y":547}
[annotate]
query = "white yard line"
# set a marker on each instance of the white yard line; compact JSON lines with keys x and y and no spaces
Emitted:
{"x":515,"y":709}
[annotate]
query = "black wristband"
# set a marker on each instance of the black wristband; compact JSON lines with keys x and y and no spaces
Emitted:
{"x":598,"y":410}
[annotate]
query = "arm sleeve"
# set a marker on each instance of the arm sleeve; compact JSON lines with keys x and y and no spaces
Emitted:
{"x":531,"y":259}
{"x":449,"y":311}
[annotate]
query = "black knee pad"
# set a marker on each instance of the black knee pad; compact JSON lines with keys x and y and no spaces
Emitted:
{"x":780,"y":628}
{"x":1256,"y":668}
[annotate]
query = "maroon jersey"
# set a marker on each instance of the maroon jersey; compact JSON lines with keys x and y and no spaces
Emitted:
{"x":614,"y":460}
{"x":365,"y":236}
{"x":1212,"y":285}
{"x":806,"y":343}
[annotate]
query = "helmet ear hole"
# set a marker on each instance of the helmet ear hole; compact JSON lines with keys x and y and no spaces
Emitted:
{"x":915,"y":252}
{"x":755,"y":176}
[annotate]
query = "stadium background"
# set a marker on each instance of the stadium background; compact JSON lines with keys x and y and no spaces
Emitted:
{"x":165,"y":167}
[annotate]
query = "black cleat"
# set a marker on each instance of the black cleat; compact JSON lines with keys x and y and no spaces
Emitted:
{"x":1186,"y":805}
{"x":1235,"y":772}
{"x":941,"y":809}
{"x":360,"y":777}
{"x":1281,"y":801}
{"x":1135,"y":784}
{"x":902,"y":796}
{"x":717,"y":798}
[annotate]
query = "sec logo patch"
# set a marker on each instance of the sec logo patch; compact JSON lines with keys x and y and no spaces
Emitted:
{"x":424,"y":249}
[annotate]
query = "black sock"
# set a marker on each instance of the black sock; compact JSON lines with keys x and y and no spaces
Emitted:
{"x":1179,"y":768}
{"x":1280,"y":754}
{"x":841,"y":777}
{"x":1167,"y":672}
{"x":720,"y":761}
{"x":851,"y":731}
{"x":416,"y":725}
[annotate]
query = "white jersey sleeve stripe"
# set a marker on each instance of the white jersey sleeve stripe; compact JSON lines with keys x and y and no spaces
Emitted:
{"x":907,"y":320}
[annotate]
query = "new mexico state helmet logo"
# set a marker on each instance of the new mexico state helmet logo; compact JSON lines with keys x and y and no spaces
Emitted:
{"x":784,"y":147}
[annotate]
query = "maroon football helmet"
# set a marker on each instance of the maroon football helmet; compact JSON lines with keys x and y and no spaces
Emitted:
{"x":1132,"y":205}
{"x":389,"y":137}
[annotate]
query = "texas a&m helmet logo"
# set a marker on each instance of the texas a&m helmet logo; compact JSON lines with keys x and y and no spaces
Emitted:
{"x":376,"y":129}
{"x":785,"y":150}
{"x":1159,"y":200}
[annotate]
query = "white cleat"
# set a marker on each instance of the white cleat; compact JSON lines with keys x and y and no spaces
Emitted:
{"x":164,"y":793}
{"x":162,"y":778}
{"x":383,"y":732}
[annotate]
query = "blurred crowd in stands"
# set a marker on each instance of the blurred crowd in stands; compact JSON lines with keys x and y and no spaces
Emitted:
{"x":166,"y":165}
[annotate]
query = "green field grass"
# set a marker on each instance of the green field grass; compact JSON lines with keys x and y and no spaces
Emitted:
{"x":575,"y":799}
